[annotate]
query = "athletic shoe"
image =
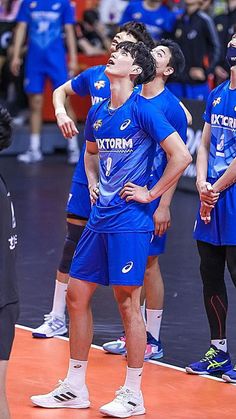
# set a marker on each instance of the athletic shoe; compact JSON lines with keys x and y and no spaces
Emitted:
{"x":126,"y":403}
{"x":214,"y":361}
{"x":154,"y":348}
{"x":230,"y":376}
{"x":52,"y":326}
{"x":63,"y":396}
{"x":30,"y":156}
{"x":73,"y":156}
{"x":116,"y":347}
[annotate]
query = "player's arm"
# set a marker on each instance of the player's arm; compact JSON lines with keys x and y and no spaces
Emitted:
{"x":91,"y":160}
{"x":161,"y":216}
{"x":227,"y":179}
{"x":187,"y":113}
{"x":72,"y":49}
{"x":64,"y":122}
{"x":18,"y":42}
{"x":179,"y":159}
{"x":204,"y":188}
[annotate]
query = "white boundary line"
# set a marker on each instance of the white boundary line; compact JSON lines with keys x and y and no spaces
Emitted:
{"x":173,"y":367}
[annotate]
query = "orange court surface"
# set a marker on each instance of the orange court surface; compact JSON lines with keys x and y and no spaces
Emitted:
{"x":169,"y":393}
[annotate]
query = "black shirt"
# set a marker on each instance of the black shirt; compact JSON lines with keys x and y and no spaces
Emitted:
{"x":226,"y":27}
{"x":8,"y":242}
{"x":197,"y":36}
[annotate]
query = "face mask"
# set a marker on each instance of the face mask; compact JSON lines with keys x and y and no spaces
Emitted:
{"x":231,"y":56}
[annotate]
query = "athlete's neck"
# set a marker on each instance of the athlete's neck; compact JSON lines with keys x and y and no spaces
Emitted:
{"x":192,"y":9}
{"x":121,"y":90}
{"x":150,"y":5}
{"x":153,"y":89}
{"x":233,"y":78}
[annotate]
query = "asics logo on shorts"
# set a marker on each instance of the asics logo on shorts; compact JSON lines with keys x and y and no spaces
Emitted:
{"x":125,"y":124}
{"x":127,"y":267}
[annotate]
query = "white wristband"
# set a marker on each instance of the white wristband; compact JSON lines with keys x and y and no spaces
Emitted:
{"x":60,"y":109}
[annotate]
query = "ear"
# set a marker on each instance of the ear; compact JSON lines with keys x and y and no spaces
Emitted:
{"x":168,"y":71}
{"x":136,"y":70}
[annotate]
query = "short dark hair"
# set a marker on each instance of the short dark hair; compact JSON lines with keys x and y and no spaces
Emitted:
{"x":177,"y":60}
{"x":143,"y":58}
{"x":139,"y":32}
{"x":5,"y":128}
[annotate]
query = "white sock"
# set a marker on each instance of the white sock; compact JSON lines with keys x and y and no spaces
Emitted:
{"x":76,"y":373}
{"x":133,"y":379}
{"x":220,"y":344}
{"x":35,"y":142}
{"x":154,"y":318}
{"x":143,"y":312}
{"x":73,"y":144}
{"x":59,"y":299}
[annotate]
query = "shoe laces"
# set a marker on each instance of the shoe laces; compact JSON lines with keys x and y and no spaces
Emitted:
{"x":48,"y":318}
{"x":210,"y":354}
{"x":62,"y":385}
{"x":123,"y":394}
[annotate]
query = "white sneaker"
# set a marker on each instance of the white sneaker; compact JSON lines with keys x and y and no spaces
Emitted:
{"x":52,"y":326}
{"x":30,"y":156}
{"x":126,"y":403}
{"x":63,"y":396}
{"x":73,"y":156}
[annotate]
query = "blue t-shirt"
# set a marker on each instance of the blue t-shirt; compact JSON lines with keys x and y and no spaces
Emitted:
{"x":157,"y":21}
{"x":127,"y":138}
{"x":95,"y":83}
{"x":221,"y":115}
{"x":45,"y":20}
{"x":170,"y":106}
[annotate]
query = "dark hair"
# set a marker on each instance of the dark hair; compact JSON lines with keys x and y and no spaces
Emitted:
{"x":5,"y":129}
{"x":143,"y":58}
{"x":177,"y":60}
{"x":139,"y":32}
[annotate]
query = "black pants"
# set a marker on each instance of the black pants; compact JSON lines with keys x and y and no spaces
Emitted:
{"x":212,"y":268}
{"x":8,"y":317}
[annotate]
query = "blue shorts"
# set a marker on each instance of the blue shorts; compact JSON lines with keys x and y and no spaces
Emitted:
{"x":36,"y":75}
{"x":111,"y":258}
{"x":79,"y":201}
{"x":189,"y":91}
{"x":157,"y":245}
{"x":221,"y":231}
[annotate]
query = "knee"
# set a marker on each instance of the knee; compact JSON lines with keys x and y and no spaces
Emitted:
{"x":36,"y":103}
{"x":72,"y":301}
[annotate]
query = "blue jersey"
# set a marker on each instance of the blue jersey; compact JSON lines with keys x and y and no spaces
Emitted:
{"x":170,"y":106}
{"x":95,"y":83}
{"x":221,"y":115}
{"x":127,"y":138}
{"x":157,"y":21}
{"x":45,"y":20}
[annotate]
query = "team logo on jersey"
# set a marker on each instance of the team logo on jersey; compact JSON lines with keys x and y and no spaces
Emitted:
{"x":97,"y":124}
{"x":127,"y":267}
{"x":56,"y":6}
{"x":33,"y":5}
{"x":159,"y":22}
{"x":99,"y":84}
{"x":125,"y":124}
{"x":216,"y":101}
{"x":192,"y":34}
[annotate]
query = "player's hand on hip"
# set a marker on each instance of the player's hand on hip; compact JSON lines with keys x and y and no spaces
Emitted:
{"x":94,"y":193}
{"x":132,"y":192}
{"x":66,"y":125}
{"x":161,"y":218}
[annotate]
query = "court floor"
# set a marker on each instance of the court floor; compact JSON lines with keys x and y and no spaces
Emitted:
{"x":169,"y":393}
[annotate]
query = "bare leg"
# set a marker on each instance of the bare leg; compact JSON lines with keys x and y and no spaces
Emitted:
{"x":79,"y":296}
{"x":36,"y":105}
{"x":4,"y":409}
{"x":153,"y":284}
{"x":128,"y":299}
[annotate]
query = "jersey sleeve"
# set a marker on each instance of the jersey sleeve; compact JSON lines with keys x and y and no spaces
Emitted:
{"x":207,"y":113}
{"x":80,"y":83}
{"x":88,"y":129}
{"x":153,"y":122}
{"x":23,"y":13}
{"x":68,"y":14}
